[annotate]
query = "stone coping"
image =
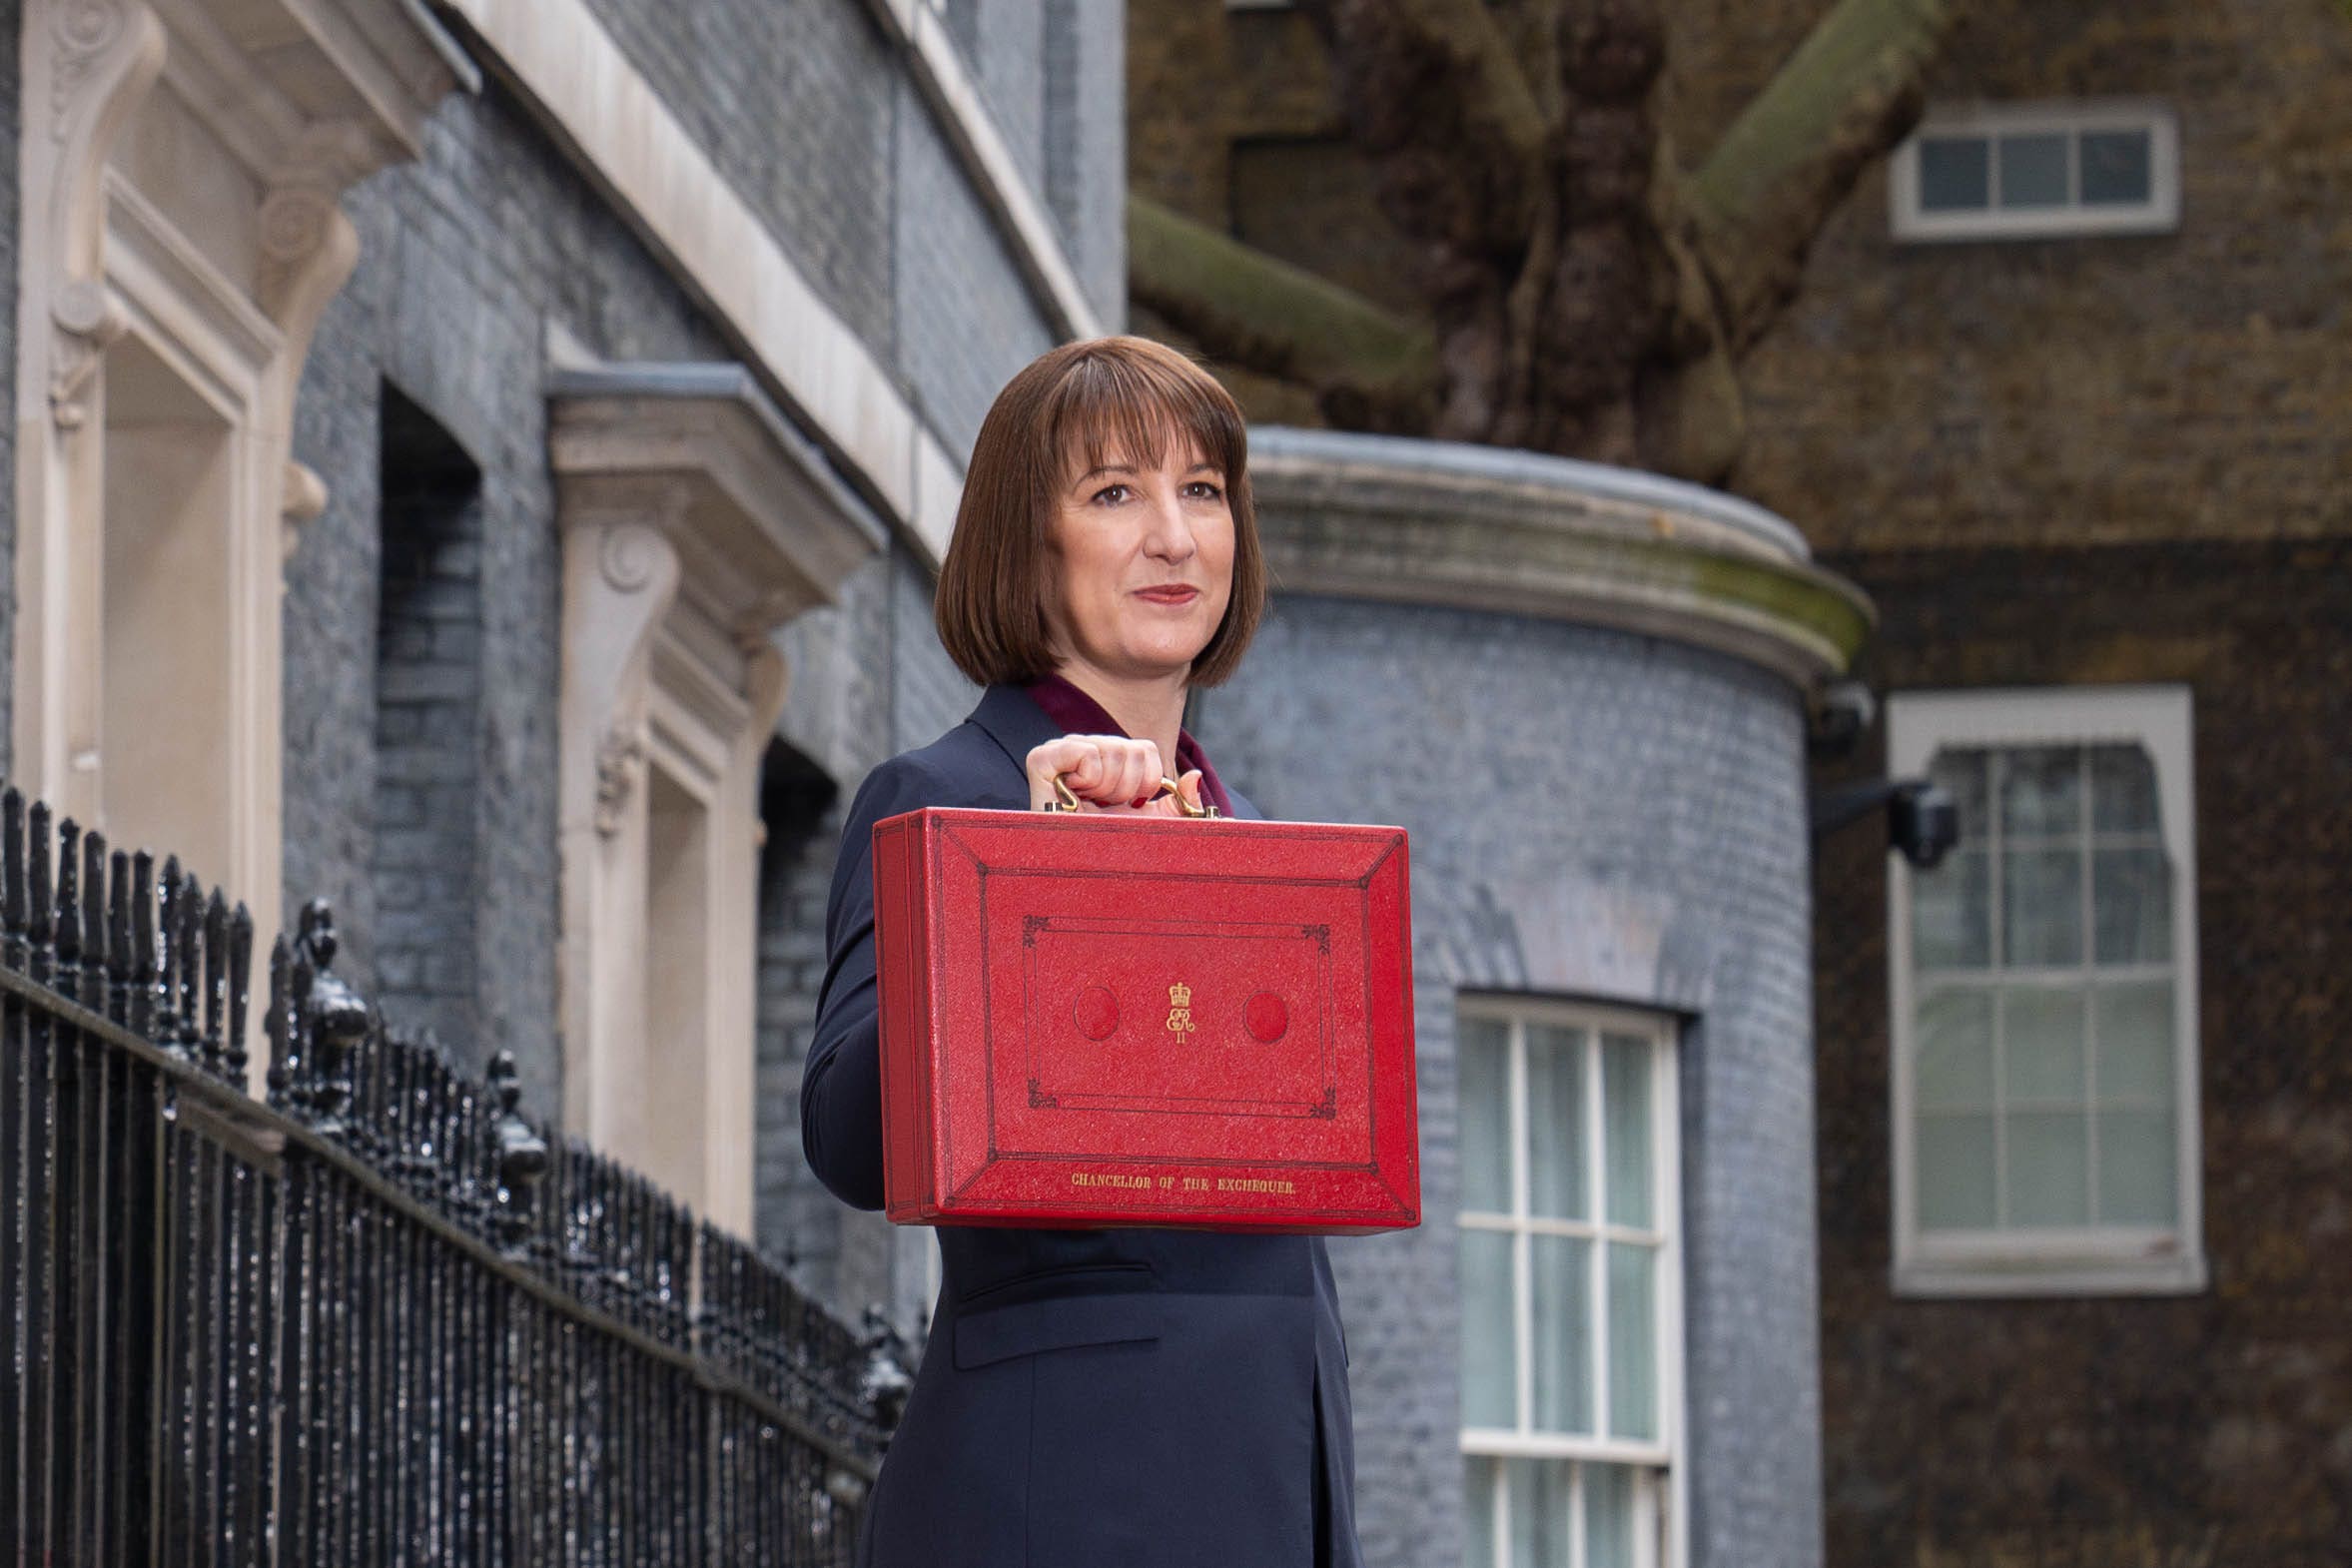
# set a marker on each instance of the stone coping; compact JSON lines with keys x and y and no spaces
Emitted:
{"x":1470,"y":527}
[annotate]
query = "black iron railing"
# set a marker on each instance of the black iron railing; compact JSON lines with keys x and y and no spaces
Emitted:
{"x":381,"y":1318}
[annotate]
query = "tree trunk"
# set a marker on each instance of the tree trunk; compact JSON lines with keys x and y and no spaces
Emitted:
{"x":1585,"y":295}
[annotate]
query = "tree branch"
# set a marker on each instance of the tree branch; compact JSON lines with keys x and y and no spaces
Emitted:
{"x":1435,"y":97}
{"x":1852,"y":90}
{"x":1240,"y":303}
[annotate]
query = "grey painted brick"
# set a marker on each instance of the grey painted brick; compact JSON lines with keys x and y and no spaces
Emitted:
{"x":1086,"y":144}
{"x":1004,"y":46}
{"x":795,"y":105}
{"x":1537,"y":765}
{"x":967,"y":319}
{"x":465,"y":255}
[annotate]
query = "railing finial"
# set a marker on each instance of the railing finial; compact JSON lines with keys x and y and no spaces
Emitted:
{"x":522,"y":1155}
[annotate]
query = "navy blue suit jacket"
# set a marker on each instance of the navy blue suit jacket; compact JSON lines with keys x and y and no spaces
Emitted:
{"x":1089,"y":1398}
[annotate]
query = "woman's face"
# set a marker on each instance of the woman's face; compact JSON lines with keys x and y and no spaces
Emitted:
{"x":1147,"y":557}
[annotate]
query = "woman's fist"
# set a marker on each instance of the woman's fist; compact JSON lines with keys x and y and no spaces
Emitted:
{"x":1106,"y":773}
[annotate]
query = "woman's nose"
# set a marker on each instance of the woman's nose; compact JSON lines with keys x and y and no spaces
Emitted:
{"x":1170,"y":534}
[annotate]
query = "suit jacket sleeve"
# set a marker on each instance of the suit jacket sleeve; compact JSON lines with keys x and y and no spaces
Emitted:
{"x":840,"y":1083}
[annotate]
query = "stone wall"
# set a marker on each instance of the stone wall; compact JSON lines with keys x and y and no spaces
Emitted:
{"x":1538,"y":765}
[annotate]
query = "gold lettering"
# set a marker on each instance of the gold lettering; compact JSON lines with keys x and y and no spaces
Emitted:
{"x":1101,"y":1178}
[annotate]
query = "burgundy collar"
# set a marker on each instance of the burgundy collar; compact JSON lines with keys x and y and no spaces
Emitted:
{"x":1080,"y":715}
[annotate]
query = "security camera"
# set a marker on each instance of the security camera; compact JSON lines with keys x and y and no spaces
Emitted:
{"x":1922,"y":820}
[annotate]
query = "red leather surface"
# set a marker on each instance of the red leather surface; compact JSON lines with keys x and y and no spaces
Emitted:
{"x":1095,"y":1019}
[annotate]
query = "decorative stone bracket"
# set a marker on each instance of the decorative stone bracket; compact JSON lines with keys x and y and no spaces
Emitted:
{"x":695,"y":521}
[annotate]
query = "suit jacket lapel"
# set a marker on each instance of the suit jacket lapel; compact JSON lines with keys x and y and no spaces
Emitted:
{"x":1017,"y":726}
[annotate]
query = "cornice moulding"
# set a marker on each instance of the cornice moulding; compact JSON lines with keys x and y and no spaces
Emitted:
{"x":1440,"y":524}
{"x":763,"y":527}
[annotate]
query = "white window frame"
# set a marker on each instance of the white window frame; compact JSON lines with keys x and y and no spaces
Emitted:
{"x":1667,"y":1457}
{"x":2084,"y":1260}
{"x":2160,"y":214}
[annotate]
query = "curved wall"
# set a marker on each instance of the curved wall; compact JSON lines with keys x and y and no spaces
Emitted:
{"x":1597,"y":813}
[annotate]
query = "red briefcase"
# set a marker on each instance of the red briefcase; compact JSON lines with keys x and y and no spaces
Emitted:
{"x":1105,"y":1020}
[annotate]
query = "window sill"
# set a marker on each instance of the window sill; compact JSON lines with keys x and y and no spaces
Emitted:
{"x":2176,"y":1274}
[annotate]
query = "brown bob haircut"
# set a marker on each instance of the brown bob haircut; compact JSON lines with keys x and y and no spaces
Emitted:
{"x":1126,"y":398}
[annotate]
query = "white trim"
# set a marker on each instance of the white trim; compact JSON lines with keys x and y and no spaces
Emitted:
{"x":2082,"y":1260}
{"x":596,"y":103}
{"x":1663,"y":1458}
{"x":2160,"y":214}
{"x":938,"y":68}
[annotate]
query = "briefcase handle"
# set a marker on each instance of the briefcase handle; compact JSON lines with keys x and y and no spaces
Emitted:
{"x":1063,"y":800}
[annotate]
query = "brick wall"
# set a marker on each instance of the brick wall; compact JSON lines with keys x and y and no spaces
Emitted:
{"x":469,"y":259}
{"x":797,"y":106}
{"x":2077,"y":1433}
{"x":967,"y":318}
{"x":466,"y":256}
{"x":2167,"y":387}
{"x":1086,"y":144}
{"x":1660,"y":792}
{"x":428,"y":688}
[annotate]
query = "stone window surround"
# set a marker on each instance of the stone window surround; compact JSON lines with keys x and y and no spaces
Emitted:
{"x":202,"y":306}
{"x":1909,"y":223}
{"x":695,"y":521}
{"x":1668,"y":1454}
{"x":2087,"y":1261}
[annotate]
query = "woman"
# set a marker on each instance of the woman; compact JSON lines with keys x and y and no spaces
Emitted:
{"x":1111,"y":1396}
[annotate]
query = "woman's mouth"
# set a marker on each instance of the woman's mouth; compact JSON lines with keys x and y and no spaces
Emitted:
{"x":1174,"y":594}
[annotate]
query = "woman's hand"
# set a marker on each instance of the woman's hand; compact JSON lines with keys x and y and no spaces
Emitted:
{"x":1106,"y":773}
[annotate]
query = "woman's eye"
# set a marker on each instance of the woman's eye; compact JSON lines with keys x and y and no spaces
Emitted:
{"x":1112,"y":494}
{"x":1204,"y":489}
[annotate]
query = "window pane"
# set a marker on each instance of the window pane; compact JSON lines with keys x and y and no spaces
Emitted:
{"x":1489,"y":1343}
{"x":1955,"y":1050}
{"x":2136,"y":1184}
{"x":2041,"y":907}
{"x":2034,"y":170}
{"x":2123,"y":790}
{"x":1956,"y":1173}
{"x":2132,"y":904}
{"x":1625,"y":1096}
{"x":1556,"y":1123}
{"x":1608,"y":1516}
{"x":2041,"y":792}
{"x":2135,"y":1044}
{"x":1562,"y":1347}
{"x":1485,"y":1063}
{"x":1541,"y":1522}
{"x":1478,"y":1505}
{"x":2041,"y":1044}
{"x":2115,"y":167}
{"x":1633,"y":1348}
{"x":1950,"y":913}
{"x":1954,"y":174}
{"x":2049,"y":1169}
